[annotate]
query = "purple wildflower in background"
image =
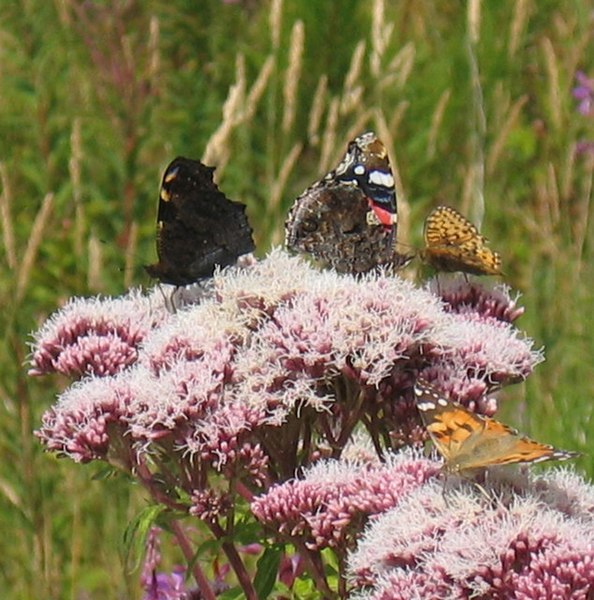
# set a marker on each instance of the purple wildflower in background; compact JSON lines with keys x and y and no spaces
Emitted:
{"x":160,"y":586}
{"x":277,"y":367}
{"x":584,"y":93}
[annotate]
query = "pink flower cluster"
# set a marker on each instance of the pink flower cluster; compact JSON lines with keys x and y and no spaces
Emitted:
{"x":327,"y":506}
{"x":534,"y":539}
{"x":97,"y":336}
{"x":273,"y":342}
{"x":272,"y":372}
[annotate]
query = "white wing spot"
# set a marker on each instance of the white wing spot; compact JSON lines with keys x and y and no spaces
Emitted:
{"x":442,"y":402}
{"x":381,"y":178}
{"x":426,"y":406}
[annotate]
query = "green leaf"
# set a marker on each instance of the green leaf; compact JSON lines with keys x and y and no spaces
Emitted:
{"x":136,"y":533}
{"x":232,"y":594}
{"x":267,"y":571}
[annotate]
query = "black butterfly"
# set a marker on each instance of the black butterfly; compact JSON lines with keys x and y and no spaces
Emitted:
{"x":198,"y":227}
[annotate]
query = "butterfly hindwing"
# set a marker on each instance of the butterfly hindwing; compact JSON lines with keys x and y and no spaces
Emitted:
{"x":198,"y":227}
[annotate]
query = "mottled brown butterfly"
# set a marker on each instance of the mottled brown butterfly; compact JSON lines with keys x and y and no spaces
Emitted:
{"x":348,"y":218}
{"x":468,"y":441}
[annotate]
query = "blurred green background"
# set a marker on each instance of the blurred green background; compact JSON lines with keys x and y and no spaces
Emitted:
{"x":473,"y":101}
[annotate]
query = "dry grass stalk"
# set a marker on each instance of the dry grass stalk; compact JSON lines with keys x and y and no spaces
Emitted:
{"x":75,"y":176}
{"x":281,"y":180}
{"x":355,"y":67}
{"x":568,"y":173}
{"x":317,"y":109}
{"x":351,"y":91}
{"x":504,"y":131}
{"x":436,"y":120}
{"x":357,"y":128}
{"x":518,"y":24}
{"x":402,"y":64}
{"x":473,"y":16}
{"x":582,"y":223}
{"x":130,"y":254}
{"x":276,"y":16}
{"x":553,"y":195}
{"x":476,"y":207}
{"x":153,"y":51}
{"x":468,"y":191}
{"x":381,"y":32}
{"x":35,"y":239}
{"x":398,"y":115}
{"x":544,"y":231}
{"x":552,"y":66}
{"x":7,"y":225}
{"x":329,"y":138}
{"x":63,"y":13}
{"x":292,"y":75}
{"x":257,"y":90}
{"x":95,"y":253}
{"x":217,"y":149}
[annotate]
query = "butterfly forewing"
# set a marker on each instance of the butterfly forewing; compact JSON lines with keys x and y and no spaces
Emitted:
{"x":468,"y":441}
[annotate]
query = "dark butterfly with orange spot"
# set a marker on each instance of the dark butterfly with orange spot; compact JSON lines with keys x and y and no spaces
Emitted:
{"x":198,"y":227}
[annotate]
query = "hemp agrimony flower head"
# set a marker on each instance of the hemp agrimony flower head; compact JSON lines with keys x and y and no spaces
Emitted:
{"x":277,"y":367}
{"x":534,"y":540}
{"x":279,"y":345}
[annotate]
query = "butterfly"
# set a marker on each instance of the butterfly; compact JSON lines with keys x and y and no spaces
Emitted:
{"x":469,"y":441}
{"x":198,"y":227}
{"x":348,"y":218}
{"x":453,"y":243}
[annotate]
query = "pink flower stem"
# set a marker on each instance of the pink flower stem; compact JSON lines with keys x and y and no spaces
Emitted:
{"x":235,"y":562}
{"x":206,"y":591}
{"x":354,"y":405}
{"x":315,"y":568}
{"x":243,"y":491}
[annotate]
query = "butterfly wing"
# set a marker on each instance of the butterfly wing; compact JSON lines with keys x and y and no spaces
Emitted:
{"x":453,"y":431}
{"x":366,"y":165}
{"x":348,"y":218}
{"x":452,"y":243}
{"x":198,"y":227}
{"x":468,"y":441}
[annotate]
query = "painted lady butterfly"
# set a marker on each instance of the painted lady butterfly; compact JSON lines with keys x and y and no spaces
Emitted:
{"x":348,"y":218}
{"x":469,"y":441}
{"x":453,"y":243}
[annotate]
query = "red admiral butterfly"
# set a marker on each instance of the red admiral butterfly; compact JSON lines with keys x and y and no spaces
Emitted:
{"x":198,"y":227}
{"x":348,"y":218}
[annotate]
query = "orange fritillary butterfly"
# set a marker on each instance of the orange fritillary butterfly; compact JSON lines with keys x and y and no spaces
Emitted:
{"x":453,"y":243}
